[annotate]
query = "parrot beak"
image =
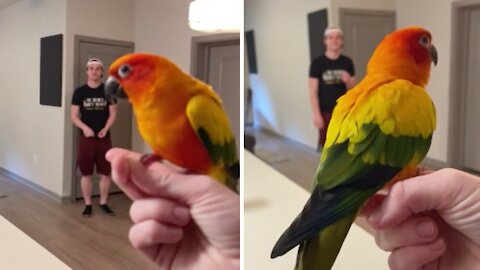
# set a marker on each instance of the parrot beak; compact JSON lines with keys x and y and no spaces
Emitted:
{"x":114,"y":89}
{"x":433,"y":54}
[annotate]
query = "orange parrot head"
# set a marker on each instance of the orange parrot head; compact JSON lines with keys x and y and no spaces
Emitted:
{"x":138,"y":75}
{"x":405,"y":54}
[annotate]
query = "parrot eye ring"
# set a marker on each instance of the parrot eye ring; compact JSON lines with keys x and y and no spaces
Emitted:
{"x":424,"y":41}
{"x":124,"y":71}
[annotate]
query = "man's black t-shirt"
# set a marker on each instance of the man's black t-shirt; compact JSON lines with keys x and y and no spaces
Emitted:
{"x":329,"y":75}
{"x":94,"y":110}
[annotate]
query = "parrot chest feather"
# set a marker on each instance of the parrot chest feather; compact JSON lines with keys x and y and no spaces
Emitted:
{"x":172,"y":137}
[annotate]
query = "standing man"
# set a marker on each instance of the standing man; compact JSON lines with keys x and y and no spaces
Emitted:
{"x":93,"y":114}
{"x":331,"y":75}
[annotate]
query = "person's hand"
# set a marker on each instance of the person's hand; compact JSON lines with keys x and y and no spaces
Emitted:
{"x":102,"y":133}
{"x":429,"y":222}
{"x":346,"y":77}
{"x":88,"y":132}
{"x":318,"y":121}
{"x":180,"y":221}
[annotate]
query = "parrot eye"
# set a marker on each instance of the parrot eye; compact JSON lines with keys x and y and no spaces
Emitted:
{"x":124,"y":71}
{"x":424,"y":41}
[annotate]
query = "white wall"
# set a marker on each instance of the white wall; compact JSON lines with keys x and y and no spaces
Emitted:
{"x":109,"y":19}
{"x":27,"y":128}
{"x":161,"y":27}
{"x":410,"y":12}
{"x":280,"y":89}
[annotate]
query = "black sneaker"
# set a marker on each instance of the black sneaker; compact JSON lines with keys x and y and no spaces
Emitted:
{"x":106,"y":210}
{"x":87,"y":212}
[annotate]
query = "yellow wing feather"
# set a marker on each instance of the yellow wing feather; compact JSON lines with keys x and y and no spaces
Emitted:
{"x":399,"y":108}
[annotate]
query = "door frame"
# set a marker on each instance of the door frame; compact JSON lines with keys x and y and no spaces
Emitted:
{"x":353,"y":11}
{"x":76,"y":80}
{"x":200,"y":51}
{"x":457,"y":97}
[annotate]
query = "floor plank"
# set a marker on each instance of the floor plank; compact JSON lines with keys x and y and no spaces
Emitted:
{"x":99,"y":242}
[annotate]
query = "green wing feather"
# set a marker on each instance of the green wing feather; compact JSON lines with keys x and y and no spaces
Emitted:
{"x":211,"y":124}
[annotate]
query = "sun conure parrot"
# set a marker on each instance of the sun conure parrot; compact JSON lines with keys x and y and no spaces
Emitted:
{"x":380,"y":128}
{"x":181,"y":118}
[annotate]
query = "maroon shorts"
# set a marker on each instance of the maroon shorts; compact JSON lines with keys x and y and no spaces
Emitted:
{"x":322,"y":133}
{"x":91,"y":151}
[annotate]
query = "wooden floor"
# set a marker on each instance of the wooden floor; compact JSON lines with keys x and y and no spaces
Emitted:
{"x":296,"y":161}
{"x":99,"y":242}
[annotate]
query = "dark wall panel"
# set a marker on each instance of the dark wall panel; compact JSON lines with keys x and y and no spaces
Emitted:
{"x":51,"y":51}
{"x":252,"y":57}
{"x":317,"y":23}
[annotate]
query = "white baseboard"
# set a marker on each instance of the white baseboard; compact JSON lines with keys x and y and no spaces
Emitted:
{"x":34,"y":186}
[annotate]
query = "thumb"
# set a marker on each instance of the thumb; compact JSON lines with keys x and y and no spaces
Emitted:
{"x":440,"y":191}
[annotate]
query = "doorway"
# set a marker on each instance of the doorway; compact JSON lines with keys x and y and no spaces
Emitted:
{"x":464,"y":150}
{"x":121,"y":132}
{"x":216,"y":61}
{"x":363,"y":30}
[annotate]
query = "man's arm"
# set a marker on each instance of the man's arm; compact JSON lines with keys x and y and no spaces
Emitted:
{"x":314,"y":102}
{"x":74,"y":115}
{"x":112,"y":116}
{"x":111,"y":119}
{"x":351,"y":82}
{"x":348,"y":80}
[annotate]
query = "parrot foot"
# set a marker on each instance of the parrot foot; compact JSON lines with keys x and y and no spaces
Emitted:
{"x":148,"y":159}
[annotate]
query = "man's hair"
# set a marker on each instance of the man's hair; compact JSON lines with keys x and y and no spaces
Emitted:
{"x":330,"y":30}
{"x":94,"y":61}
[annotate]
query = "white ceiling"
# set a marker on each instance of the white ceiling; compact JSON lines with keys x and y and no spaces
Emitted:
{"x":4,"y":3}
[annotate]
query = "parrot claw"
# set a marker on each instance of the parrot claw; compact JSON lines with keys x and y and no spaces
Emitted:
{"x":148,"y":159}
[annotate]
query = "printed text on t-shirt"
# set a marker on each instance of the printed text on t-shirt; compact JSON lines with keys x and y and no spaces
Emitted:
{"x":97,"y":103}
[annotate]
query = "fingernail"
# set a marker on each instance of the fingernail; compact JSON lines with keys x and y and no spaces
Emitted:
{"x":376,"y":216}
{"x":182,"y":213}
{"x":438,"y":244}
{"x":424,"y":229}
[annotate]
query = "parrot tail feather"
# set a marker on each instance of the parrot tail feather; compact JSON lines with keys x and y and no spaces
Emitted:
{"x":327,"y":243}
{"x":326,"y":207}
{"x":334,"y":205}
{"x":234,"y":170}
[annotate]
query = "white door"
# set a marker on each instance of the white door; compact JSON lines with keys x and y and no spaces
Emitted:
{"x":121,"y":131}
{"x":471,"y":147}
{"x":363,"y":31}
